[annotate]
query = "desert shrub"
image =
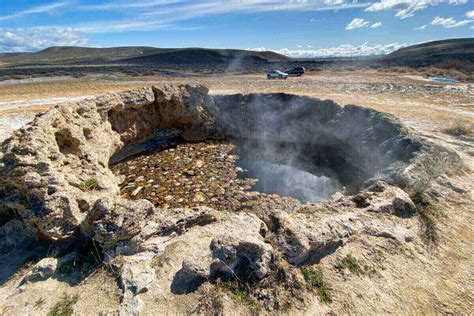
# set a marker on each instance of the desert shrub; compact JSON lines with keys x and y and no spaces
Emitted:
{"x":459,"y":130}
{"x":315,"y":281}
{"x":350,"y":263}
{"x":427,"y":216}
{"x":65,"y":306}
{"x":240,"y":292}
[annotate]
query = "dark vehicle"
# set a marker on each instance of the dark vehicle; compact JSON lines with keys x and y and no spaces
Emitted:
{"x":297,"y":71}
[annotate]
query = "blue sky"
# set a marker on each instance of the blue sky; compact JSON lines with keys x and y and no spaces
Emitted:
{"x":292,"y":27}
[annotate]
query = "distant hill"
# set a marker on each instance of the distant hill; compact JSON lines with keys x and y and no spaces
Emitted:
{"x":433,"y":53}
{"x":137,"y":55}
{"x":456,"y":55}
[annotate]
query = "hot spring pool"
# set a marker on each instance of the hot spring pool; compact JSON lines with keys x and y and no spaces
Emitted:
{"x":287,"y":180}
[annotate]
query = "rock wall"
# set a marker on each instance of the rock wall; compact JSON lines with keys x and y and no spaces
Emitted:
{"x":55,"y":175}
{"x":55,"y":168}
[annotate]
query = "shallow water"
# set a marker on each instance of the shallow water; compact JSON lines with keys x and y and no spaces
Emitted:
{"x":443,"y":79}
{"x":286,"y":180}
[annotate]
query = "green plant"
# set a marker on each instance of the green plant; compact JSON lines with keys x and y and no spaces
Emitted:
{"x":313,"y":277}
{"x":315,"y":281}
{"x":350,"y":263}
{"x":65,"y":306}
{"x":240,"y":293}
{"x":91,"y":184}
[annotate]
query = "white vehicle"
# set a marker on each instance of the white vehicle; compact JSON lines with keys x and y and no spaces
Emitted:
{"x":276,"y":74}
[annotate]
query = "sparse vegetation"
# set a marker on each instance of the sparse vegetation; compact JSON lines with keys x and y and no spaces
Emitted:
{"x":65,"y":306}
{"x":459,"y":130}
{"x":240,"y":293}
{"x":350,"y":263}
{"x":426,"y":213}
{"x":315,"y":281}
{"x":91,"y":184}
{"x":88,"y":259}
{"x":39,"y":302}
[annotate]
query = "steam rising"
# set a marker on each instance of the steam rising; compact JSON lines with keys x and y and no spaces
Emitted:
{"x":289,"y":181}
{"x":306,"y":148}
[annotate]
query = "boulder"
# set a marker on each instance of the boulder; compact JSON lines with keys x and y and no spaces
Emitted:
{"x":113,"y":220}
{"x":43,"y":270}
{"x":382,"y":197}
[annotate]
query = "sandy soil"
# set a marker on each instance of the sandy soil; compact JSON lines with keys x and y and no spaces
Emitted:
{"x":418,"y":281}
{"x":419,"y":103}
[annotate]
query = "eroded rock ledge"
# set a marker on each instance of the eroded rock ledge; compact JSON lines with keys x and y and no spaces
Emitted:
{"x":46,"y":167}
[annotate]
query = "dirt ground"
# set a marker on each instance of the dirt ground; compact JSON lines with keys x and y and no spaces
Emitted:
{"x":437,"y":280}
{"x":419,"y":102}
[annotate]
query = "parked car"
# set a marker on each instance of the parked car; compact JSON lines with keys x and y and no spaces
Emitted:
{"x":296,"y":71}
{"x":276,"y":74}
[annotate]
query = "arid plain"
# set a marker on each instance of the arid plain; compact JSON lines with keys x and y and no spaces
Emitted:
{"x":429,"y":108}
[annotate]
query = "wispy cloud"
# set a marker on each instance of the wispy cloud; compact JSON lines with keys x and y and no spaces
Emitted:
{"x":47,"y":8}
{"x":357,"y":24}
{"x":407,"y":8}
{"x":423,"y":27}
{"x":120,"y":5}
{"x":31,"y":39}
{"x":214,"y":7}
{"x":376,"y":25}
{"x":470,"y":14}
{"x":164,"y":14}
{"x":450,"y":22}
{"x":339,"y":51}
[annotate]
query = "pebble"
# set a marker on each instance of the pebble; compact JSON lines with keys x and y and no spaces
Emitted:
{"x":136,"y":191}
{"x":195,"y":174}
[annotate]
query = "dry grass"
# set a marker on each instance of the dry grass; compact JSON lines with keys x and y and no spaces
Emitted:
{"x":430,"y":109}
{"x":427,"y":213}
{"x":460,"y":130}
{"x":65,"y":306}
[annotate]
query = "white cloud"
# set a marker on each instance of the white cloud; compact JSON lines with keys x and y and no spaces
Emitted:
{"x":333,"y":2}
{"x":309,"y":46}
{"x":407,"y":8}
{"x":376,"y":25}
{"x":470,"y":14}
{"x":356,"y":24}
{"x":423,"y":27}
{"x":119,"y":5}
{"x":213,"y":7}
{"x":449,"y":22}
{"x":47,"y":8}
{"x":339,"y":51}
{"x":31,"y":39}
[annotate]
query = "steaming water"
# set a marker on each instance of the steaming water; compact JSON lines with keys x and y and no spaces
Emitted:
{"x":286,"y":180}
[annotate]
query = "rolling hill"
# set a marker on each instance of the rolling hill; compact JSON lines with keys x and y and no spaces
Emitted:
{"x":433,"y":53}
{"x":452,"y":54}
{"x":137,"y":55}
